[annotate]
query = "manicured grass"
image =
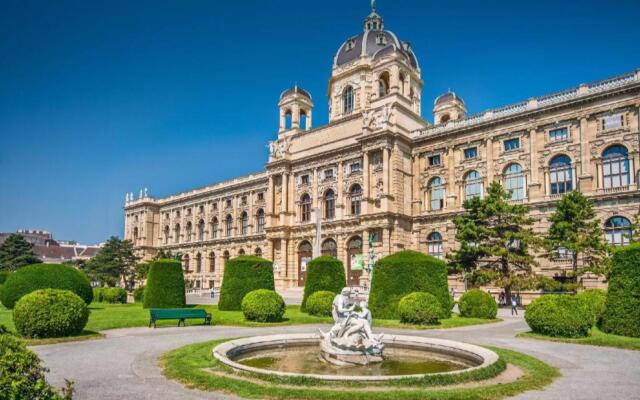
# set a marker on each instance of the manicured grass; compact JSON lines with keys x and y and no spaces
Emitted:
{"x":111,"y":316}
{"x":192,"y":366}
{"x":595,"y":338}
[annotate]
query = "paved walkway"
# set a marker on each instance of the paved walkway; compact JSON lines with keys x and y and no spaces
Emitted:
{"x":124,"y":365}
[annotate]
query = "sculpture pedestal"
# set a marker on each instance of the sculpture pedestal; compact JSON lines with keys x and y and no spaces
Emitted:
{"x":346,"y":357}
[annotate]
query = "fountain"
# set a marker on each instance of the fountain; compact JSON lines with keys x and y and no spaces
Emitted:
{"x":351,"y":351}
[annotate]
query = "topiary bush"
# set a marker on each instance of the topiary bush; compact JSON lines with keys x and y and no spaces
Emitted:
{"x":594,"y":300}
{"x":22,"y":375}
{"x":320,"y":303}
{"x":419,"y":308}
{"x":478,"y":304}
{"x":622,"y":309}
{"x":559,"y":315}
{"x":44,"y":276}
{"x":405,"y":272}
{"x":50,"y":313}
{"x":263,"y":305}
{"x":138,"y":294}
{"x":114,"y":295}
{"x":323,"y":273}
{"x":165,"y":285}
{"x":242,"y":275}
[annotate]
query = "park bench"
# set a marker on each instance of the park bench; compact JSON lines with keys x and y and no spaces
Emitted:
{"x":157,"y":314}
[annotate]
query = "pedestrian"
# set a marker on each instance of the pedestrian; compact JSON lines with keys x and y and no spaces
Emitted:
{"x":501,"y":299}
{"x":514,"y":305}
{"x":452,"y":292}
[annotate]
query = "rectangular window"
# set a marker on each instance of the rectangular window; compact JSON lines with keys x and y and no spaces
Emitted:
{"x":471,"y":152}
{"x":434,"y":160}
{"x":304,"y":180}
{"x":229,"y":203}
{"x":612,"y":121}
{"x":511,"y":144}
{"x":355,"y":167}
{"x":558,"y":135}
{"x":260,"y":196}
{"x":215,"y":206}
{"x":244,"y":200}
{"x":328,"y":173}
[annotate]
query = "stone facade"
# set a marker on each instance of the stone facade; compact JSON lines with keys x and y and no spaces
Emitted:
{"x":379,"y":170}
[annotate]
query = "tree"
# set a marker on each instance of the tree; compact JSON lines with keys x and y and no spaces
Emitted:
{"x":16,"y":252}
{"x":575,"y":228}
{"x":495,"y":238}
{"x":115,"y":262}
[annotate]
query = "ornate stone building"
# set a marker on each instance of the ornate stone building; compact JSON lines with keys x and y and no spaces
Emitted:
{"x":379,"y":174}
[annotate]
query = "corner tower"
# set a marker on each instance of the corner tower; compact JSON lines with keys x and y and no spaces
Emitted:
{"x":296,"y":107}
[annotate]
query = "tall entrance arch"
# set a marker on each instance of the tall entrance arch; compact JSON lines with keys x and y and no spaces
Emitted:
{"x":305,"y":252}
{"x":355,"y":261}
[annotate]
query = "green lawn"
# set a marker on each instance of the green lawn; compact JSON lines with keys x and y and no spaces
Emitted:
{"x":111,"y":316}
{"x":596,"y":338}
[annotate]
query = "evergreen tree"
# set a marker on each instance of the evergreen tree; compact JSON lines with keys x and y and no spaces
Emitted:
{"x":115,"y":262}
{"x":16,"y":252}
{"x":574,"y":227}
{"x":495,"y":238}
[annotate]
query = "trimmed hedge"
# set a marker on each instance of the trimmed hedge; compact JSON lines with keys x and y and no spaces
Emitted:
{"x":477,"y":303}
{"x":22,"y":375}
{"x":622,"y":308}
{"x":419,"y":308}
{"x":323,"y":273}
{"x":110,"y":295}
{"x":3,"y":276}
{"x":50,"y":313}
{"x":165,"y":285}
{"x":559,"y":315}
{"x":263,"y":305}
{"x":45,"y":276}
{"x":138,"y":294}
{"x":594,"y":300}
{"x":320,"y":303}
{"x":405,"y":272}
{"x":242,"y":275}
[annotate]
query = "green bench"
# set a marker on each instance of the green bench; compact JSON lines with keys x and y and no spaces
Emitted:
{"x":157,"y":314}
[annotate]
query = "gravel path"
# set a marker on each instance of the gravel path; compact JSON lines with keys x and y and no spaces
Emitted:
{"x":124,"y":365}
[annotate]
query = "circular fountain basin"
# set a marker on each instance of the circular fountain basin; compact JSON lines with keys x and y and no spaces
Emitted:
{"x":296,"y":355}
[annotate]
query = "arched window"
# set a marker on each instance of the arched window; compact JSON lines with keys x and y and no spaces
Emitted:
{"x":472,"y":185}
{"x":356,"y":199}
{"x":188,"y":231}
{"x":258,"y":252}
{"x":185,"y":263}
{"x":305,"y":208}
{"x":329,"y":204}
{"x":228,"y":226}
{"x":212,"y":262}
{"x":347,"y":100}
{"x":287,"y":119}
{"x":618,"y":231}
{"x":241,"y":252}
{"x":383,"y":84}
{"x":201,"y":230}
{"x":244,"y":223}
{"x":434,"y":245}
{"x":260,"y":218}
{"x":166,"y":234}
{"x":561,"y":174}
{"x":176,"y":234}
{"x":303,"y":119}
{"x":615,"y":167}
{"x":444,"y":118}
{"x":135,"y":235}
{"x":436,"y":194}
{"x":198,"y":263}
{"x":329,"y":248}
{"x":225,"y":257}
{"x":401,"y":81}
{"x":514,"y":181}
{"x":215,"y":226}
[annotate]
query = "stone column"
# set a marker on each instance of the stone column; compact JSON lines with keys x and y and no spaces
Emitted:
{"x":386,"y":168}
{"x":366,"y":179}
{"x":394,"y":79}
{"x":451,"y":190}
{"x":489,"y":150}
{"x":315,"y":201}
{"x":295,"y":116}
{"x":285,"y":198}
{"x":309,"y":119}
{"x":283,"y":120}
{"x":365,"y":254}
{"x":270,"y":200}
{"x":340,"y":200}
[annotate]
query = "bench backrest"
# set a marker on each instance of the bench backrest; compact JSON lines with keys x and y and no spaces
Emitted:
{"x":171,"y":313}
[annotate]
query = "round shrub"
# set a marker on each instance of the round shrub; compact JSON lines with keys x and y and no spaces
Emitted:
{"x":559,"y":315}
{"x":320,"y":303}
{"x":594,"y":300}
{"x":263,"y":305}
{"x":622,"y":309}
{"x":138,"y":294}
{"x":165,"y":285}
{"x":45,"y":276}
{"x":419,"y":308}
{"x":478,"y":304}
{"x":50,"y":313}
{"x":114,"y":295}
{"x":323,"y":273}
{"x":242,"y":275}
{"x":405,"y":272}
{"x":22,"y":375}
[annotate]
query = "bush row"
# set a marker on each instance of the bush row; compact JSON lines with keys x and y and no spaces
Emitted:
{"x":110,"y":295}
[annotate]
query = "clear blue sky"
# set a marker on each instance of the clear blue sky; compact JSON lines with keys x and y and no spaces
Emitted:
{"x":99,"y":98}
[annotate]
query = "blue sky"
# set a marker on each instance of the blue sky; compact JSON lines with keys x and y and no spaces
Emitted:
{"x":99,"y":98}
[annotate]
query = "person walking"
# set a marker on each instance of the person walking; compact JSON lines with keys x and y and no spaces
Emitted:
{"x":514,"y":305}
